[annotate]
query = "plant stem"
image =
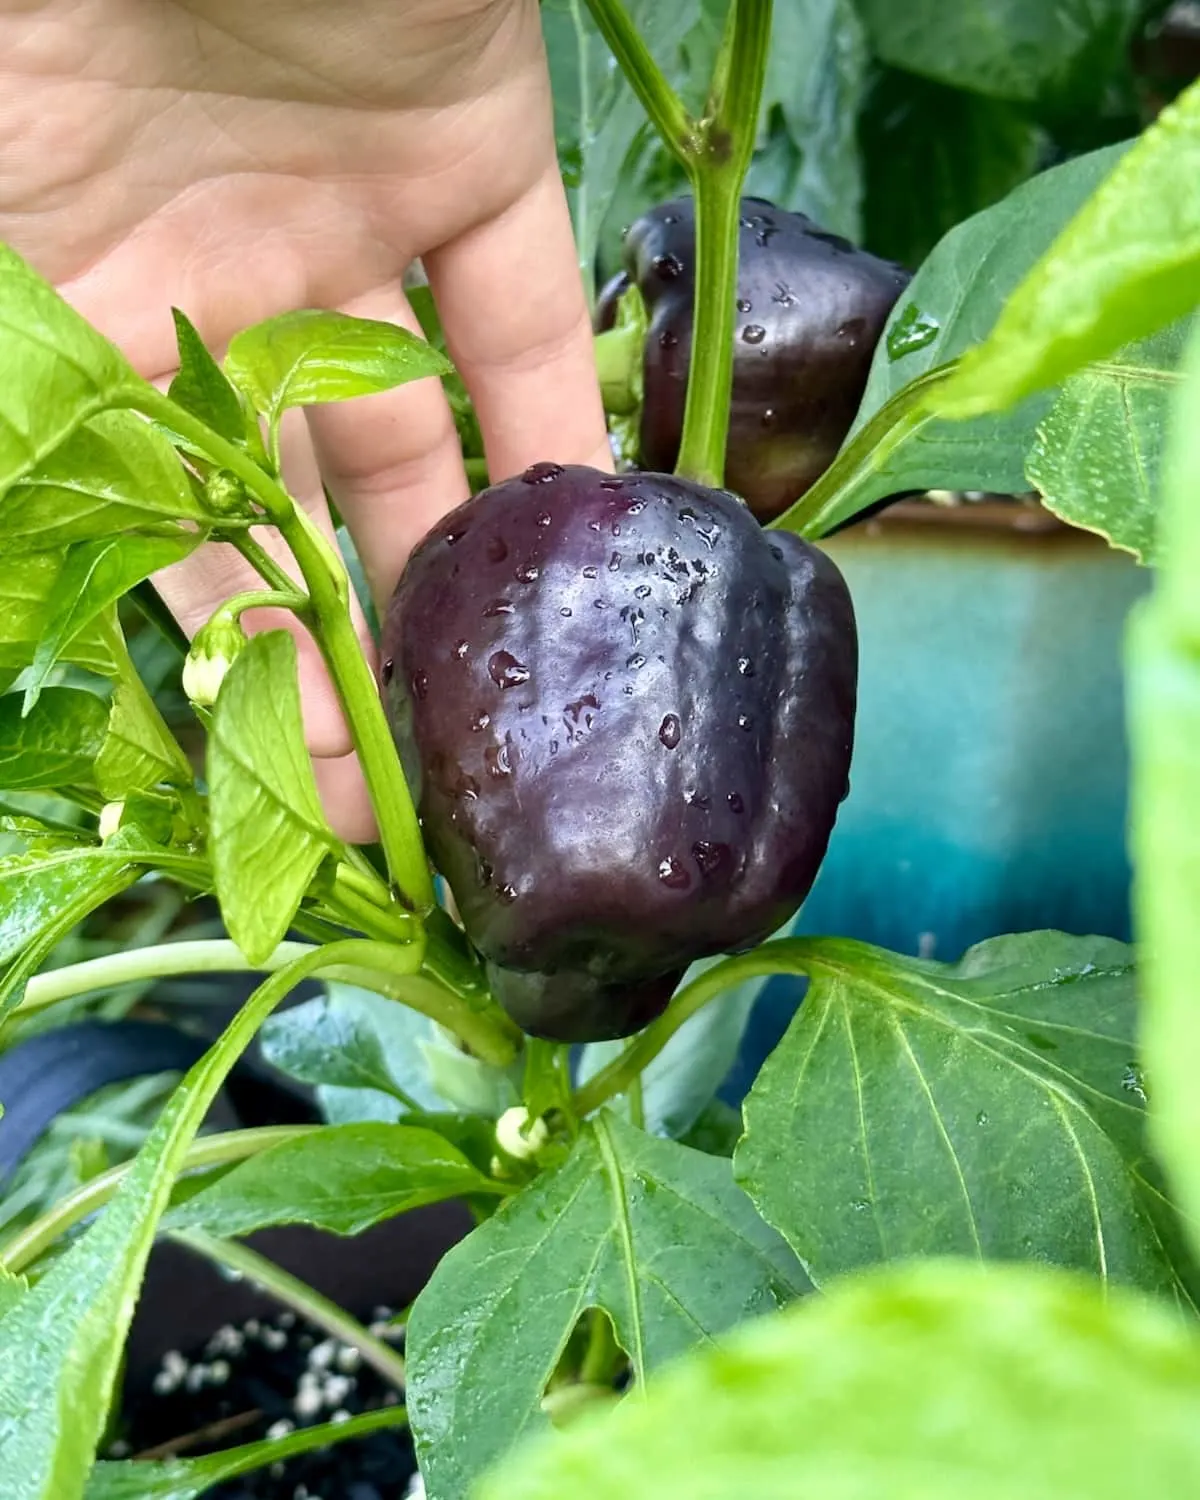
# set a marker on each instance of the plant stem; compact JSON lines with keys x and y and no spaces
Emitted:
{"x":783,"y":956}
{"x":637,"y":1103}
{"x":210,"y":1151}
{"x":290,"y":598}
{"x":481,"y":1025}
{"x":658,"y":98}
{"x":380,"y":966}
{"x":208,"y":956}
{"x":262,"y":562}
{"x":297,"y":1294}
{"x":329,"y":593}
{"x":710,"y":372}
{"x":717,"y":173}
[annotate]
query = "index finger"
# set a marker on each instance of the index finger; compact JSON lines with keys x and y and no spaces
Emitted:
{"x":516,"y":320}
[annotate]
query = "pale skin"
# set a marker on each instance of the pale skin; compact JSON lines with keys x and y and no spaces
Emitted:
{"x":240,"y":158}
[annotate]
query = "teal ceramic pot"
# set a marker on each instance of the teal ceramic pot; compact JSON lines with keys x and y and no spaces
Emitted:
{"x":988,"y":789}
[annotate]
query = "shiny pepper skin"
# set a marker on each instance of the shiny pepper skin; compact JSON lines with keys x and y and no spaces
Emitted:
{"x":627,"y":714}
{"x":810,"y":310}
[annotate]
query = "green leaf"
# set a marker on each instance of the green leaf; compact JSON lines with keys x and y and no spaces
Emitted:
{"x":343,"y":1178}
{"x":109,"y":476}
{"x":139,"y":751}
{"x":268,"y":831}
{"x":201,"y":386}
{"x":1126,"y":265}
{"x":950,"y":305}
{"x":57,"y":743}
{"x":990,"y":1108}
{"x":187,"y":1478}
{"x":933,"y":156}
{"x":1096,"y":456}
{"x":308,"y":357}
{"x":58,"y":371}
{"x":1009,"y":49}
{"x":28,"y":595}
{"x":353,"y":1039}
{"x":60,"y":1347}
{"x":654,"y":1234}
{"x":929,"y":1382}
{"x":44,"y":895}
{"x":95,"y":575}
{"x":1164,"y":720}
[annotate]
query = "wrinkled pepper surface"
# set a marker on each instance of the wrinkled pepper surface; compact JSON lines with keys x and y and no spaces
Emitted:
{"x":626,"y":713}
{"x":810,"y":310}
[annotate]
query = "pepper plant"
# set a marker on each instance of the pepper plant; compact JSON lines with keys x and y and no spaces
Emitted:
{"x":994,"y":1110}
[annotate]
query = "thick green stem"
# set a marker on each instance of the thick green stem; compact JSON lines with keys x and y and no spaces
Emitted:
{"x":717,"y":173}
{"x":297,"y":1294}
{"x":710,"y":373}
{"x":329,"y":593}
{"x":211,"y":1151}
{"x":658,"y":98}
{"x":784,"y":956}
{"x":211,"y":956}
{"x":381,"y":966}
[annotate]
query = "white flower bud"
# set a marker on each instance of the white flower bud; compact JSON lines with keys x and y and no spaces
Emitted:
{"x":110,"y":819}
{"x":517,"y":1136}
{"x":213,"y":652}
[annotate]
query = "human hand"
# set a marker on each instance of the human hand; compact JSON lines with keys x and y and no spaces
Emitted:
{"x":242,"y":160}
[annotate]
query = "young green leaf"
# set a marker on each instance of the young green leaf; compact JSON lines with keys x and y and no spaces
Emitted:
{"x":95,"y":575}
{"x":928,"y":1382}
{"x":28,"y":594}
{"x":654,"y":1234}
{"x":201,"y":386}
{"x":111,"y":475}
{"x":309,"y":357}
{"x":56,"y":745}
{"x":1095,"y":458}
{"x":58,"y":371}
{"x":1024,"y":50}
{"x":188,"y":1478}
{"x":343,"y":1179}
{"x":1164,"y":720}
{"x":44,"y":895}
{"x":950,"y":305}
{"x":1126,"y":265}
{"x":60,"y":1346}
{"x":139,"y":751}
{"x":268,"y":831}
{"x":989,"y":1108}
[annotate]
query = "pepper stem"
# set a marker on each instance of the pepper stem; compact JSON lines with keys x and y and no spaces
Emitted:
{"x":717,"y":173}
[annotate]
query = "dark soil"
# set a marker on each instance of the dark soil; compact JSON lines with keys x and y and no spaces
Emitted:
{"x":261,"y":1379}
